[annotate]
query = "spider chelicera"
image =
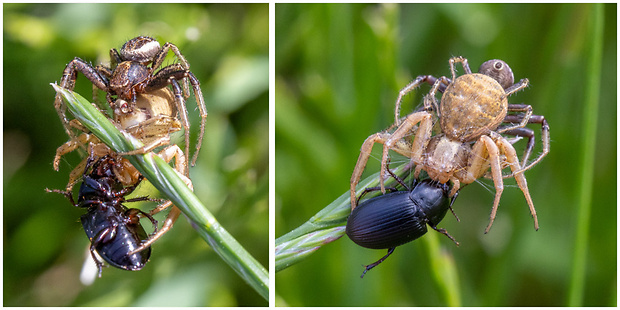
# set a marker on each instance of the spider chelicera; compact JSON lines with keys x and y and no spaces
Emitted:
{"x":471,"y":110}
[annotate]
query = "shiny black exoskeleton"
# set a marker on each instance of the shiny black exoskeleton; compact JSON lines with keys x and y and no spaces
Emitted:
{"x":113,"y":229}
{"x":393,"y":219}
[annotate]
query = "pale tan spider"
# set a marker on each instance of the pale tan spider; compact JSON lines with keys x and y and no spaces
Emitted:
{"x":151,"y":121}
{"x":471,"y":109}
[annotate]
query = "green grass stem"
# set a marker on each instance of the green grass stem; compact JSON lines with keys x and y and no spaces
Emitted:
{"x":588,"y":146}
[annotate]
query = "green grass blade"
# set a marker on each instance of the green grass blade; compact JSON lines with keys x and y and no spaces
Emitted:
{"x":588,"y":146}
{"x":443,"y":269}
{"x":167,"y":181}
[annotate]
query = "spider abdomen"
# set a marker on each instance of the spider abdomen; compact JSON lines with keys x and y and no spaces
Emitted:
{"x":471,"y":106}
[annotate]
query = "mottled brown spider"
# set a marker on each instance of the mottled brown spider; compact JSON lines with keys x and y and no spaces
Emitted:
{"x":472,"y":108}
{"x":136,"y":70}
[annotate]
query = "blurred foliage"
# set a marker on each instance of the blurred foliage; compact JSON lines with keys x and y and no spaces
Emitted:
{"x":44,"y":244}
{"x":339,"y":68}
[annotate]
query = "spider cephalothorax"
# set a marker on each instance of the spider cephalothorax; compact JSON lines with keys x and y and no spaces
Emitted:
{"x":471,"y":110}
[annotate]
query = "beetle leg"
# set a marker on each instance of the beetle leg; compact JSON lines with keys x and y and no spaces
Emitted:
{"x":133,"y":215}
{"x":373,"y":189}
{"x":65,"y":193}
{"x":106,"y":234}
{"x":452,"y":202}
{"x":444,"y":232}
{"x":373,"y":265}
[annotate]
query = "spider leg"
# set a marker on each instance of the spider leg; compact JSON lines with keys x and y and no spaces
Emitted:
{"x":513,"y":160}
{"x":463,"y":62}
{"x":97,"y":149}
{"x":167,"y":155}
{"x":72,"y":145}
{"x":362,"y":160}
{"x":377,"y":188}
{"x":524,"y":118}
{"x":517,"y":87}
{"x":539,"y":119}
{"x":430,"y":100}
{"x":106,"y":74}
{"x":69,"y":76}
{"x":115,"y":58}
{"x":159,"y":58}
{"x":526,"y":132}
{"x":422,"y":137}
{"x":410,"y":87}
{"x":182,"y":108}
{"x":168,"y":75}
{"x":485,"y":152}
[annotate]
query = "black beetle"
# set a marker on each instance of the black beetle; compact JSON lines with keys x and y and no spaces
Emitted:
{"x":393,"y":219}
{"x":113,"y":229}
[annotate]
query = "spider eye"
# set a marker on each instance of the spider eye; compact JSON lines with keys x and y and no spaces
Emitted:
{"x":499,"y":70}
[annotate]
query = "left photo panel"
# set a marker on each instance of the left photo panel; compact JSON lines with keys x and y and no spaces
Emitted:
{"x":136,"y":155}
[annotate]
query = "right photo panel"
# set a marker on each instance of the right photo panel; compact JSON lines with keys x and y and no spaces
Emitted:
{"x":445,"y":155}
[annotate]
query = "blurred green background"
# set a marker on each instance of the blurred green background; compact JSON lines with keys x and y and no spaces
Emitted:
{"x":44,"y":244}
{"x":339,"y":68}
